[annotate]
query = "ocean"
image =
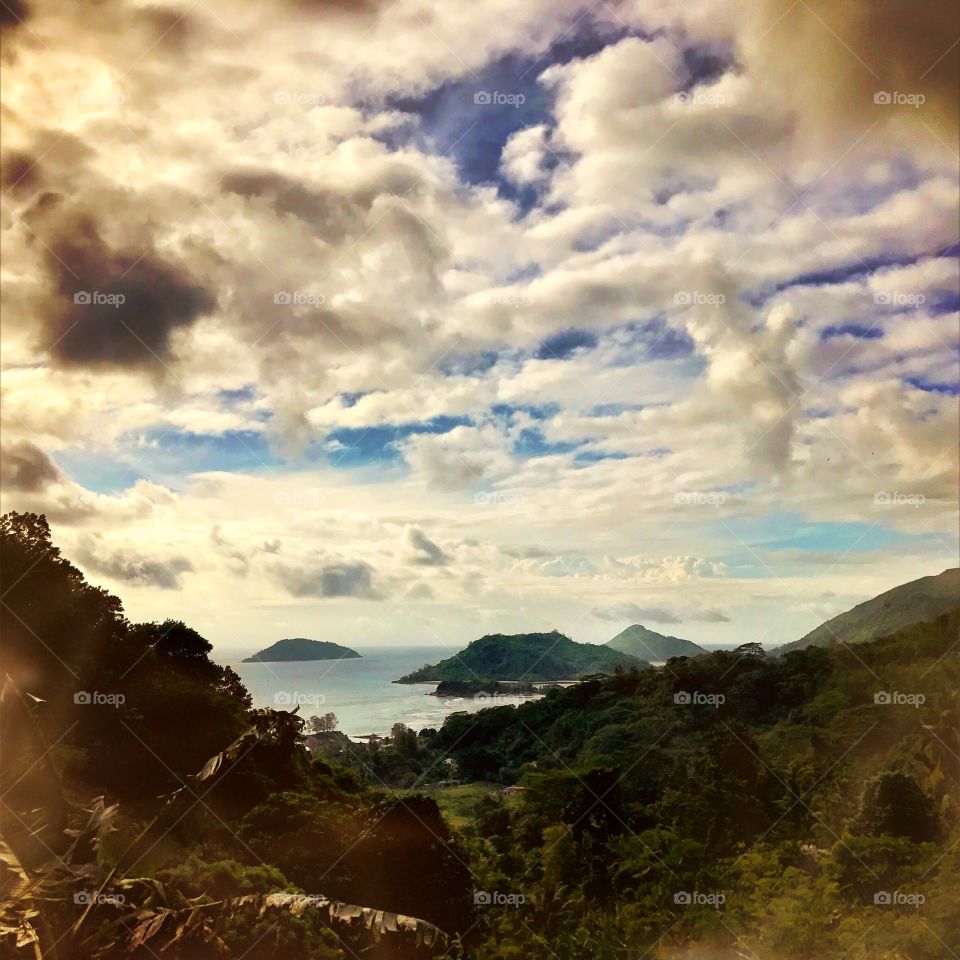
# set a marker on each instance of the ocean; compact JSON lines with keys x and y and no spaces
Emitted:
{"x":358,"y":691}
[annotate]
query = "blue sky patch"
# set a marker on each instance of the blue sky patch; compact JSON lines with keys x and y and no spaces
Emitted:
{"x":859,"y":330}
{"x":166,"y":456}
{"x":586,"y":457}
{"x":471,"y":118}
{"x":361,"y":446}
{"x":532,"y":443}
{"x":658,"y":340}
{"x":612,"y":409}
{"x":562,"y":345}
{"x":245,"y":394}
{"x":468,"y":364}
{"x":944,"y":301}
{"x":790,"y":531}
{"x":932,"y":386}
{"x":99,"y":473}
{"x":542,"y":412}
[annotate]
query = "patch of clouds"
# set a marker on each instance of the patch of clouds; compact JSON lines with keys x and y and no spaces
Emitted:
{"x":327,"y":581}
{"x":636,"y":614}
{"x":691,"y":238}
{"x":428,"y":554}
{"x":125,"y":565}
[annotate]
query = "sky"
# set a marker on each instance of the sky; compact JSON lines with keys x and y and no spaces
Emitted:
{"x":408,"y":322}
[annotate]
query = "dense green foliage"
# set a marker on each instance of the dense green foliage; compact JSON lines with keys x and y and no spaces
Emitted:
{"x":725,"y":806}
{"x":523,"y":656}
{"x":135,"y":702}
{"x":300,"y":648}
{"x":474,"y":688}
{"x":97,"y":705}
{"x":815,"y":793}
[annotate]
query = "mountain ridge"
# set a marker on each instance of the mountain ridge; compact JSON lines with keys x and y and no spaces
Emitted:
{"x":645,"y":644}
{"x":901,"y":606}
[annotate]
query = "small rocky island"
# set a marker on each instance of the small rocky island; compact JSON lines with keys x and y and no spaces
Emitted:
{"x":468,"y":689}
{"x":300,"y":648}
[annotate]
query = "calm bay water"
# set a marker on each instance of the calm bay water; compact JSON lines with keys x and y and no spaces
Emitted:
{"x":358,"y":691}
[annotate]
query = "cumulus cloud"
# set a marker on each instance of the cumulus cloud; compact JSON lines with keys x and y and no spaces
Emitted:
{"x":525,"y":154}
{"x":636,"y":614}
{"x":667,"y":568}
{"x":24,"y":466}
{"x":125,"y":564}
{"x":459,"y":459}
{"x":709,"y":616}
{"x":428,"y":554}
{"x":343,"y":579}
{"x":710,"y":265}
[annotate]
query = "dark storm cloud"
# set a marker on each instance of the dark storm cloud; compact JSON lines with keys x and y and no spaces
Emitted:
{"x":13,"y":13}
{"x":834,"y":56}
{"x":24,"y":466}
{"x":114,"y":307}
{"x":131,"y":568}
{"x":330,"y":215}
{"x":331,"y":580}
{"x":429,"y":555}
{"x":19,"y":171}
{"x":171,"y":28}
{"x":343,"y":8}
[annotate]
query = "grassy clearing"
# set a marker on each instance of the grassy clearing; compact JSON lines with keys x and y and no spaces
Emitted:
{"x":457,"y":803}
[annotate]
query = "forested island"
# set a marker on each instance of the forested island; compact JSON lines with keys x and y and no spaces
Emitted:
{"x":524,"y":656}
{"x":484,"y":688}
{"x":300,"y":648}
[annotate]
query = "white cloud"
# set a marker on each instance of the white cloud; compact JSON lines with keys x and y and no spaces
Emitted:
{"x":698,"y":213}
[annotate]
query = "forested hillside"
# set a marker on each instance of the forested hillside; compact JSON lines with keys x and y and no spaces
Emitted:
{"x":725,"y":806}
{"x":792,"y":808}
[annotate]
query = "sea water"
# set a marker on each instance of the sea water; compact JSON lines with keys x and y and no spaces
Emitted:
{"x":359,"y":691}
